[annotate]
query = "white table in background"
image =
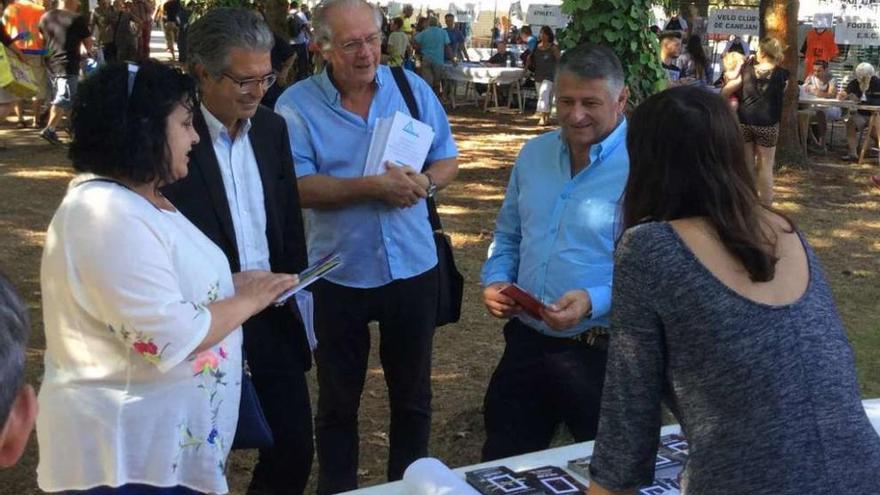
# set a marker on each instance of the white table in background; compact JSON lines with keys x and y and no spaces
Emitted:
{"x":873,"y":121}
{"x":561,"y":455}
{"x":493,"y":77}
{"x":483,"y":54}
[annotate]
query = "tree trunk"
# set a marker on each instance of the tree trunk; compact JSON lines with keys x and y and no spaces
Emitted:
{"x":779,"y":20}
{"x":276,"y":17}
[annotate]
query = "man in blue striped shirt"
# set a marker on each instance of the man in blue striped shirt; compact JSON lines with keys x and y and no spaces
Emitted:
{"x":554,"y":237}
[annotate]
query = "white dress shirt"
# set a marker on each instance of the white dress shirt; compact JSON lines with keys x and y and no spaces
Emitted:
{"x":244,"y":191}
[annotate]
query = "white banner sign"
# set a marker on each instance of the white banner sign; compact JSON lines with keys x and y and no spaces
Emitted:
{"x":394,"y":9}
{"x":741,"y":22}
{"x":837,"y":8}
{"x":858,"y":30}
{"x":466,"y":14}
{"x":516,"y":14}
{"x":823,"y":20}
{"x":546,"y":15}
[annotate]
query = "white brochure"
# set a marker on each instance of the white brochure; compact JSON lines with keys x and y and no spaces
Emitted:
{"x":399,"y":140}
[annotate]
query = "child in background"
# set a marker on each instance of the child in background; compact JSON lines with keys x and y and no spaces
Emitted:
{"x":732,"y":63}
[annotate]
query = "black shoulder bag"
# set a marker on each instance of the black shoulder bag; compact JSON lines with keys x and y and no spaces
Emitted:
{"x":450,"y":281}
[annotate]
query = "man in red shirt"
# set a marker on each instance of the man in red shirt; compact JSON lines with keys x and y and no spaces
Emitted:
{"x":819,"y":45}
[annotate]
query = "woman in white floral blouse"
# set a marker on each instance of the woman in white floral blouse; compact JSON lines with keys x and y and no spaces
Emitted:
{"x":142,"y":314}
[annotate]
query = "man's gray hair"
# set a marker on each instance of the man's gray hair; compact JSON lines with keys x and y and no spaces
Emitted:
{"x":321,"y":18}
{"x":433,"y":21}
{"x":864,"y":71}
{"x":589,"y":61}
{"x":14,"y":328}
{"x":218,"y":31}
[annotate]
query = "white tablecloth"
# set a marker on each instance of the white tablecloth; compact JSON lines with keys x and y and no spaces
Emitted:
{"x":466,"y":72}
{"x":561,"y":455}
{"x":483,"y":54}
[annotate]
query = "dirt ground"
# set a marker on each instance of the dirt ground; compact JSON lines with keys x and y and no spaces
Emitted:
{"x":832,"y":202}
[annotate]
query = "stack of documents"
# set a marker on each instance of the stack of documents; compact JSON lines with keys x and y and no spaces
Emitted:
{"x":399,"y":140}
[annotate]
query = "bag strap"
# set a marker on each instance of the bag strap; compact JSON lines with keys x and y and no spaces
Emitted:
{"x":405,"y":90}
{"x":409,"y":98}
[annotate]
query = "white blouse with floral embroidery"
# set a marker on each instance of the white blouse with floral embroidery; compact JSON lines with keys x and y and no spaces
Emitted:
{"x":124,"y":398}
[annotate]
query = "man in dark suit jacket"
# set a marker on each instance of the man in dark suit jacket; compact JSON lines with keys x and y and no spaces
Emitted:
{"x":242,"y":193}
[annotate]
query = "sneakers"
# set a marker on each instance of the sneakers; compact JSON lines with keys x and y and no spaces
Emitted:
{"x":51,"y":136}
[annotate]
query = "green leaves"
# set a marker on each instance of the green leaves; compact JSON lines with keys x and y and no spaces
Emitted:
{"x":622,"y":25}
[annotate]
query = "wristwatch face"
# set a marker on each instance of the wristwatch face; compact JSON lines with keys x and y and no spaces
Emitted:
{"x":432,"y":188}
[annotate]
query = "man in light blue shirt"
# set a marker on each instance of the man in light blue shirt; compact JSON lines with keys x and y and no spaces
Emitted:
{"x":435,"y":47}
{"x":554,"y":238}
{"x":379,"y":225}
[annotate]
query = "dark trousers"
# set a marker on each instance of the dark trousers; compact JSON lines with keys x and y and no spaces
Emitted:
{"x":406,"y":312}
{"x":284,"y":468}
{"x":540,"y":382}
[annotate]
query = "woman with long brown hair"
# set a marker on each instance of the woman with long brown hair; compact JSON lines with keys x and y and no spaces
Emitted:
{"x":721,"y":310}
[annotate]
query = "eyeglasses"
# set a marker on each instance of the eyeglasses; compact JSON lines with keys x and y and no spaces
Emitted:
{"x":246,"y":86}
{"x":355,"y":46}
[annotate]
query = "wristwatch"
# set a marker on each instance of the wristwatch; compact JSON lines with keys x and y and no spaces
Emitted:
{"x":432,"y":187}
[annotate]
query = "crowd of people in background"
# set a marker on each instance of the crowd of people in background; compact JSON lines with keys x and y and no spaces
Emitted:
{"x":195,"y":205}
{"x":755,"y":84}
{"x":58,"y":43}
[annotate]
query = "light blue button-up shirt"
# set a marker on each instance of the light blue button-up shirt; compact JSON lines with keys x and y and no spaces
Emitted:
{"x":378,"y":243}
{"x":555,"y":232}
{"x":433,"y":43}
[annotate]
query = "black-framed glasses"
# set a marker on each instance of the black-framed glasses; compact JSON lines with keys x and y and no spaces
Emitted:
{"x":354,"y":46}
{"x":248,"y":85}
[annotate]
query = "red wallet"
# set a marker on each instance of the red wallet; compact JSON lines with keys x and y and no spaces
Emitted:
{"x":529,"y":303}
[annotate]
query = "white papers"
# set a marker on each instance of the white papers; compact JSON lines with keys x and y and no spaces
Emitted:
{"x":310,"y":275}
{"x":400,"y":140}
{"x":306,"y":305}
{"x":428,"y":476}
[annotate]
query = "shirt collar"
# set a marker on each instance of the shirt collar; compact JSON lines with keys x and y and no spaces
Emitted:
{"x":601,"y":150}
{"x":216,"y":128}
{"x":325,"y":84}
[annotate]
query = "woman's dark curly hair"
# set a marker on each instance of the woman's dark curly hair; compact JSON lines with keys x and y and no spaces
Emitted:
{"x":122,"y":136}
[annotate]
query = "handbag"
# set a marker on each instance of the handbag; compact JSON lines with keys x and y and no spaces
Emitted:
{"x":450,"y":282}
{"x":16,"y":76}
{"x":252,"y":431}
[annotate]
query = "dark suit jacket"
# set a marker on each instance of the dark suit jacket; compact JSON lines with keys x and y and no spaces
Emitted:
{"x":274,"y":339}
